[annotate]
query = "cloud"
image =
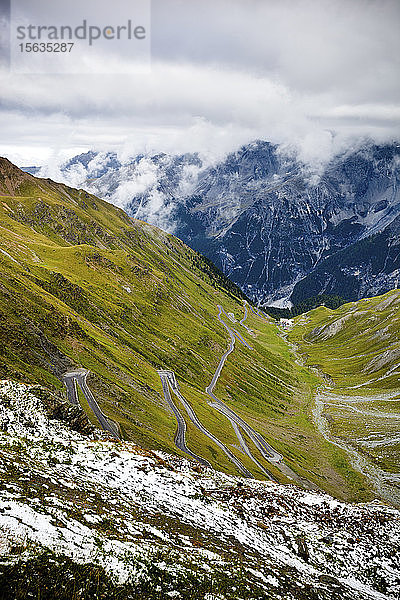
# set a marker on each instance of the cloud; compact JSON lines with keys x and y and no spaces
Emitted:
{"x":136,"y":181}
{"x":139,"y":186}
{"x":311,"y":74}
{"x":310,"y":46}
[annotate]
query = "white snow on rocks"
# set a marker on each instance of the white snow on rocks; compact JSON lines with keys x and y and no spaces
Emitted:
{"x":119,"y":506}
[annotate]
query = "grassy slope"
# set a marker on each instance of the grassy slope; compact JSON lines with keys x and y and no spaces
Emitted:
{"x":357,"y":347}
{"x":356,"y":333}
{"x":64,"y":302}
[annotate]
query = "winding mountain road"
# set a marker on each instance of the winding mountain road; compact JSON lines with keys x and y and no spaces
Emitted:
{"x":264,"y":448}
{"x":72,"y":392}
{"x":240,"y":426}
{"x":168,"y":378}
{"x":245,"y":315}
{"x":169,"y":381}
{"x":78,"y":377}
{"x":180,"y":441}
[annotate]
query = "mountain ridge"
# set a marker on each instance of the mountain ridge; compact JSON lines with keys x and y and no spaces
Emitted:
{"x":261,"y":216}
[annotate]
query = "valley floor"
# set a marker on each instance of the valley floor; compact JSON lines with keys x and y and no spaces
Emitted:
{"x":355,"y":350}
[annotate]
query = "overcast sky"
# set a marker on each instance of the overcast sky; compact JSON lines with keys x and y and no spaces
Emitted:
{"x":315,"y":75}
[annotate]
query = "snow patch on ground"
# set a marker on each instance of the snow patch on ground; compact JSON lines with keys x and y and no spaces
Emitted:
{"x":114,"y":504}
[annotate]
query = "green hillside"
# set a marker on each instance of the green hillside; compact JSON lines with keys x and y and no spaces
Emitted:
{"x":83,"y":285}
{"x":356,"y":348}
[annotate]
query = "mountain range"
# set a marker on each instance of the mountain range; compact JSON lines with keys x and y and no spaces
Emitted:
{"x":282,"y":232}
{"x":96,"y":301}
{"x":152,"y":417}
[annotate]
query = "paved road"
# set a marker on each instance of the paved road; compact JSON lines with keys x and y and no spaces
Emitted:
{"x":242,"y":322}
{"x":258,"y":312}
{"x":238,"y":424}
{"x":245,"y":315}
{"x":168,"y":380}
{"x":72,"y":392}
{"x":168,"y":377}
{"x":236,"y":333}
{"x":180,"y":441}
{"x":193,"y":417}
{"x":78,"y":377}
{"x":265,"y":449}
{"x":241,"y":439}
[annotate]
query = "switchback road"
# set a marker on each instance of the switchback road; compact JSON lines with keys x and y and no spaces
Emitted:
{"x":180,"y":441}
{"x":168,"y":380}
{"x":168,"y":377}
{"x":265,"y":449}
{"x":71,"y":380}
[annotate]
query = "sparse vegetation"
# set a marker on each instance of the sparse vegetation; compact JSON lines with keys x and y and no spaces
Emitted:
{"x":88,"y":286}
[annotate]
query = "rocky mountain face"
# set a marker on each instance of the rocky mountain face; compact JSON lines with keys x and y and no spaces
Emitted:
{"x":368,"y":267}
{"x":272,"y":226}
